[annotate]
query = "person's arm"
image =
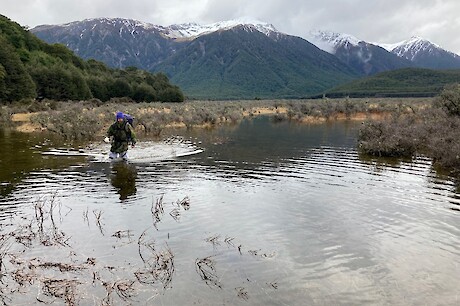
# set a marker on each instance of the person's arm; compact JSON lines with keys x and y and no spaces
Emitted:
{"x":109,"y":133}
{"x":133,"y":134}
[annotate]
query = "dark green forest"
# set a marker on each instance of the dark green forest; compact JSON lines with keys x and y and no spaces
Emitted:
{"x":31,"y":68}
{"x":406,"y":82}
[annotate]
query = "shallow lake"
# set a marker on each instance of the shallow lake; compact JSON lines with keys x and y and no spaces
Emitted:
{"x":253,"y":214}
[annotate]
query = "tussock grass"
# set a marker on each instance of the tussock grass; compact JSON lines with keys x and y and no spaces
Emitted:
{"x":88,"y":120}
{"x":433,"y":131}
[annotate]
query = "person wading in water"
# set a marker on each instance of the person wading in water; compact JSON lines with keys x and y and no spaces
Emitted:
{"x":122,"y":133}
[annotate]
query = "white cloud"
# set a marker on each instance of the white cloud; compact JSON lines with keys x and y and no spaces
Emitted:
{"x":385,"y":21}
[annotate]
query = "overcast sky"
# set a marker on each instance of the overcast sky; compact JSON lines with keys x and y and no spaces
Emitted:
{"x":383,"y":21}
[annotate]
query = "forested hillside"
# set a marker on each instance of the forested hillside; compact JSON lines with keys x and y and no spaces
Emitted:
{"x":399,"y":83}
{"x":241,"y":61}
{"x":31,"y":68}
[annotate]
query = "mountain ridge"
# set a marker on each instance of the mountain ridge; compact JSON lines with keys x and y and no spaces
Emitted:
{"x":191,"y":30}
{"x":426,"y":54}
{"x":177,"y":50}
{"x":224,"y":55}
{"x":419,"y":51}
{"x":325,"y":40}
{"x":194,"y":29}
{"x":363,"y":56}
{"x":297,"y":69}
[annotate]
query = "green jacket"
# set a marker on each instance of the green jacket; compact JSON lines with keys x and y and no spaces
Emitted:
{"x":122,"y":133}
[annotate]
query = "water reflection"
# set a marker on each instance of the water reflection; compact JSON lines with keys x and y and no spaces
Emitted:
{"x":272,"y":214}
{"x":123,"y":177}
{"x":20,"y":153}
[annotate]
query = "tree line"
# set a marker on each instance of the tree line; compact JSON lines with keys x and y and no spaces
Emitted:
{"x":31,"y":68}
{"x":405,"y":82}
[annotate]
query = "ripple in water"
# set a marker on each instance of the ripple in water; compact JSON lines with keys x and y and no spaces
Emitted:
{"x":310,"y":224}
{"x":143,"y":152}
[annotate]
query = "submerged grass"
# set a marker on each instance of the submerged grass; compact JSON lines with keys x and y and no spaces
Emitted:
{"x":76,"y":279}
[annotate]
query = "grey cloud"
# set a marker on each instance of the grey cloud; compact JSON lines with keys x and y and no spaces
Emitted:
{"x":386,"y":21}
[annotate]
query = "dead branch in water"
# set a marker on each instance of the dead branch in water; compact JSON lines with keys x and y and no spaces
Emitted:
{"x":123,"y":288}
{"x":160,"y":267}
{"x":205,"y":267}
{"x":242,"y":293}
{"x":98,"y":215}
{"x":157,"y":211}
{"x":85,"y":216}
{"x":59,"y":288}
{"x":175,"y":214}
{"x":184,"y":203}
{"x":229,"y":241}
{"x":214,"y":240}
{"x":123,"y":234}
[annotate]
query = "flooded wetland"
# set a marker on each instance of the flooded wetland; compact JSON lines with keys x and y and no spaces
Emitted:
{"x":258,"y":213}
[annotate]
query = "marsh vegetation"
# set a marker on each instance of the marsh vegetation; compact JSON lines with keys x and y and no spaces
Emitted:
{"x":401,"y":127}
{"x":75,"y":278}
{"x":84,"y":120}
{"x":433,"y":131}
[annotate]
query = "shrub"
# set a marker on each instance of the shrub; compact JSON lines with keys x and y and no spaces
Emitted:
{"x":433,"y":131}
{"x":152,"y":122}
{"x":72,"y":123}
{"x":36,"y":106}
{"x":442,"y":144}
{"x":5,"y":117}
{"x":396,"y":138}
{"x":449,"y":100}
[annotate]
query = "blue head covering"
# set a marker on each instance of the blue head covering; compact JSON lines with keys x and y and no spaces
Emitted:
{"x":120,"y":115}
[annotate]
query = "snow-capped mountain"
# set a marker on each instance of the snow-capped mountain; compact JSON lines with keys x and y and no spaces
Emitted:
{"x":185,"y":30}
{"x":330,"y":41}
{"x":197,"y":56}
{"x":365,"y":57}
{"x":229,"y":59}
{"x":415,"y":52}
{"x":424,"y":53}
{"x":117,"y":42}
{"x":412,"y":47}
{"x":121,"y":42}
{"x":191,"y":30}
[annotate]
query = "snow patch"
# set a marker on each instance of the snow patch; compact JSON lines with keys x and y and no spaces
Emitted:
{"x":414,"y":46}
{"x":329,"y":41}
{"x":189,"y":30}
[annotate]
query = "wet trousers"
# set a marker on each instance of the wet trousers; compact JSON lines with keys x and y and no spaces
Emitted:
{"x":114,"y":155}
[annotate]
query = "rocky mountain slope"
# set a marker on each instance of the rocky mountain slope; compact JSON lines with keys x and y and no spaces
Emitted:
{"x":233,"y":59}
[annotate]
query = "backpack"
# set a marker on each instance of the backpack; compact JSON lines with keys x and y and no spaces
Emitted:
{"x":130,"y":120}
